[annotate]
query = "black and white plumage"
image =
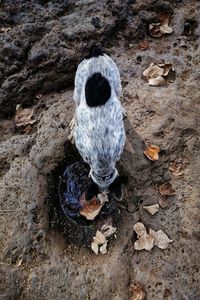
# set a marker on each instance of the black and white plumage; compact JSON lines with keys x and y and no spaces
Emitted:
{"x":99,"y":129}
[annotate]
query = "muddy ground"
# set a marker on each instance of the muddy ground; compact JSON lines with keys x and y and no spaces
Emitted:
{"x":41,"y":45}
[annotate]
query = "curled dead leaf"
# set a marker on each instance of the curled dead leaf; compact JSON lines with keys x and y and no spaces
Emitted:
{"x":144,"y":45}
{"x":95,"y":247}
{"x":99,"y":238}
{"x":137,"y":291}
{"x":108,"y":230}
{"x":144,"y":241}
{"x":164,"y":203}
{"x":176,"y":169}
{"x":154,"y":30}
{"x":152,"y":209}
{"x":103,"y":248}
{"x":157,"y":81}
{"x":148,"y":241}
{"x":90,"y":209}
{"x":159,"y":29}
{"x":165,"y":29}
{"x":152,"y":152}
{"x":161,"y":240}
{"x":23,"y":116}
{"x":159,"y":74}
{"x":153,"y":71}
{"x":166,"y":189}
{"x":139,"y":228}
{"x":166,"y":67}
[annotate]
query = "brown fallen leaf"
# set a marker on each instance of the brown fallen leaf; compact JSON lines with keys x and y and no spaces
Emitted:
{"x":154,"y":30}
{"x":103,"y":248}
{"x":143,"y":45}
{"x":158,"y":74}
{"x":99,"y":240}
{"x":108,"y":230}
{"x":159,"y":29}
{"x":152,"y":209}
{"x":157,"y":81}
{"x":166,"y":67}
{"x":165,"y":29}
{"x":90,"y":209}
{"x":176,"y":169}
{"x":164,"y":203}
{"x":23,"y":116}
{"x":137,"y":291}
{"x":166,"y":189}
{"x":153,"y":71}
{"x":152,"y":152}
{"x":144,"y":241}
{"x":95,"y":247}
{"x":161,"y":240}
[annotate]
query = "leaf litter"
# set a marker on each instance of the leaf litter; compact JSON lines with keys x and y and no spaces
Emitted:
{"x":152,"y":152}
{"x":100,"y":242}
{"x":157,"y":74}
{"x":166,"y":189}
{"x":90,"y":209}
{"x":146,"y":241}
{"x":137,"y":291}
{"x":152,"y":209}
{"x":24,"y":116}
{"x":176,"y":169}
{"x":161,"y":28}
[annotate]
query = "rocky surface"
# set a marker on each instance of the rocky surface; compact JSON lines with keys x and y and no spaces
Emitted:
{"x":41,"y":45}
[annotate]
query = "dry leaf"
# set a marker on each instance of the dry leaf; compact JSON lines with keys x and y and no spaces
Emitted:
{"x":23,"y":116}
{"x":161,"y":240}
{"x":95,"y":247}
{"x":108,"y":230}
{"x":157,"y":81}
{"x":137,"y":291}
{"x":166,"y":67}
{"x":90,"y":209}
{"x":143,"y":45}
{"x":139,"y":228}
{"x":145,"y":241}
{"x":152,"y":152}
{"x":152,"y":209}
{"x":176,"y":169}
{"x":103,"y":248}
{"x":153,"y":71}
{"x":154,"y":30}
{"x":164,"y":203}
{"x":148,"y":241}
{"x":166,"y":189}
{"x":99,"y":238}
{"x":165,"y":29}
{"x":159,"y":29}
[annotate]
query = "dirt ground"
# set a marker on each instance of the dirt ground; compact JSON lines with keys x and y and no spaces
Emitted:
{"x":38,"y":260}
